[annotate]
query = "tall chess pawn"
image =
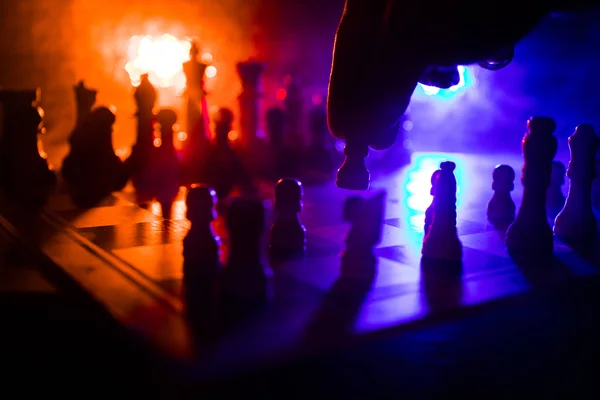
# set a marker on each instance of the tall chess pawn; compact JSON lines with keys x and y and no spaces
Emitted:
{"x":555,"y":199}
{"x":288,"y":235}
{"x":429,"y":211}
{"x":165,"y":163}
{"x":245,"y":277}
{"x":501,"y":208}
{"x":201,"y":247}
{"x":441,"y":241}
{"x":576,"y":223}
{"x":530,"y":233}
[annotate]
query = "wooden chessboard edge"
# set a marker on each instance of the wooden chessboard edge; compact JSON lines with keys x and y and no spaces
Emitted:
{"x":163,"y":330}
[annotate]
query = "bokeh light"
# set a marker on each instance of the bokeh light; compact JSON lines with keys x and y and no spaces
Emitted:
{"x":466,"y":81}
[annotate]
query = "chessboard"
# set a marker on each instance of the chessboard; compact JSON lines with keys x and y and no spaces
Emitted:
{"x":129,"y":259}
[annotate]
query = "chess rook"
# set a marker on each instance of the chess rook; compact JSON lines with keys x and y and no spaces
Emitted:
{"x":501,"y":208}
{"x":441,"y":241}
{"x":530,"y":233}
{"x":576,"y":223}
{"x":288,"y":235}
{"x":429,"y":211}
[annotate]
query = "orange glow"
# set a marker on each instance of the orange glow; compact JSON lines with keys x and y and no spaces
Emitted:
{"x":232,"y":135}
{"x":123,"y":152}
{"x":157,"y":142}
{"x":281,"y":94}
{"x":182,"y":136}
{"x":206,"y":58}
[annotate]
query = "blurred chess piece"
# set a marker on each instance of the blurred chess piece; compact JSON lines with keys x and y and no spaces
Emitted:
{"x":501,"y":208}
{"x":24,"y":171}
{"x":201,"y":247}
{"x":576,"y":224}
{"x":288,"y":235}
{"x":142,"y":151}
{"x":166,"y":171}
{"x":93,"y":171}
{"x":596,"y":186}
{"x":319,"y":156}
{"x":530,"y":235}
{"x":85,"y":98}
{"x":366,"y":219}
{"x":555,"y":199}
{"x":245,"y":280}
{"x":198,"y":122}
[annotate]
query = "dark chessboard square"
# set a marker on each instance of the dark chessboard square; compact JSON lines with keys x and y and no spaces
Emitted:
{"x":320,"y":247}
{"x":397,"y":222}
{"x":466,"y":227}
{"x":405,"y":254}
{"x":134,"y":235}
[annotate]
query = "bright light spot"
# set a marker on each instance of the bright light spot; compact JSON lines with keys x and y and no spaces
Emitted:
{"x":182,"y":136}
{"x":232,"y":135}
{"x":157,"y":142}
{"x":206,"y":58}
{"x":123,"y":152}
{"x":211,"y":71}
{"x":465,"y":81}
{"x":113,"y":109}
{"x":408,"y":125}
{"x":161,"y":57}
{"x":176,"y":127}
{"x":281,"y":94}
{"x":213,"y":109}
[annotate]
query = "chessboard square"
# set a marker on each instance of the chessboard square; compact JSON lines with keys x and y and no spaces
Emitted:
{"x":393,"y":236}
{"x":159,"y":262}
{"x":493,"y":287}
{"x":390,"y":312}
{"x":106,"y":216}
{"x":390,"y":273}
{"x":334,"y":233}
{"x":480,"y":262}
{"x":397,"y":222}
{"x":468,"y":227}
{"x":492,"y":242}
{"x":321,"y":247}
{"x":408,"y":254}
{"x":133,"y":235}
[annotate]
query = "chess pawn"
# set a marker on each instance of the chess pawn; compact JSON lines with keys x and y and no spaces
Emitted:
{"x":555,"y":199}
{"x":85,"y":99}
{"x":576,"y":223}
{"x":429,"y":211}
{"x":245,"y":277}
{"x":501,"y":208}
{"x":288,"y":235}
{"x":166,"y":173}
{"x":441,"y":241}
{"x":201,"y":247}
{"x":366,"y":219}
{"x":530,"y":233}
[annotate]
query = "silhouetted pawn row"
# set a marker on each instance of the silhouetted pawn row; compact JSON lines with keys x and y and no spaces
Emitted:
{"x":244,"y":280}
{"x":366,"y":219}
{"x":288,"y":235}
{"x":441,"y":241}
{"x":501,"y":208}
{"x":576,"y":224}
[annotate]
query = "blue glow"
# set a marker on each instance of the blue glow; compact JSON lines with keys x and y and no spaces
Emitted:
{"x":466,"y":80}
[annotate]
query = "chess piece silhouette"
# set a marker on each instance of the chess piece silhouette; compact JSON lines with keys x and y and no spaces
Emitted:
{"x":275,"y":127}
{"x":165,"y":163}
{"x":245,"y":279}
{"x":288,"y":235}
{"x":198,"y":124}
{"x":501,"y":208}
{"x":576,"y":224}
{"x":429,"y":211}
{"x":320,"y":150}
{"x":85,"y":98}
{"x":24,"y":171}
{"x":596,"y":186}
{"x":201,"y":247}
{"x":142,"y":152}
{"x":225,"y":170}
{"x":555,"y":199}
{"x":530,"y":235}
{"x":366,"y":219}
{"x":441,"y":241}
{"x":92,"y":170}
